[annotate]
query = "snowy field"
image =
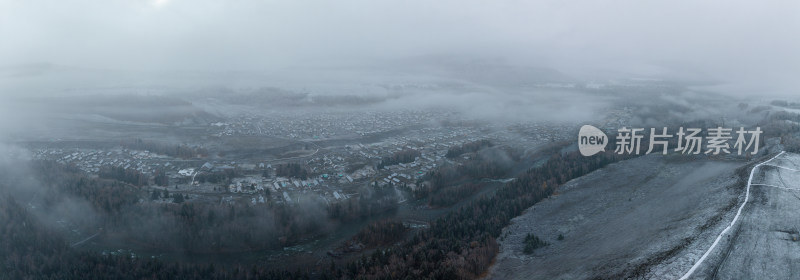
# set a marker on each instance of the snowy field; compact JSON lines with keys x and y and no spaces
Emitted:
{"x":764,"y":243}
{"x":650,"y":217}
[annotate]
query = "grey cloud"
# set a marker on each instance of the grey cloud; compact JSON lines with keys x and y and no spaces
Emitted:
{"x":739,"y":41}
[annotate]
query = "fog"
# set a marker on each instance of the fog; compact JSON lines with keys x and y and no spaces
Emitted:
{"x":487,"y":60}
{"x":748,"y":44}
{"x":480,"y":57}
{"x":301,"y":134}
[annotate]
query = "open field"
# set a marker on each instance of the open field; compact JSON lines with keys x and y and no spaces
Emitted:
{"x":764,"y":242}
{"x":630,"y":219}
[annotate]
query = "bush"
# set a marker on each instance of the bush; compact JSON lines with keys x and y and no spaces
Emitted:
{"x":532,"y":243}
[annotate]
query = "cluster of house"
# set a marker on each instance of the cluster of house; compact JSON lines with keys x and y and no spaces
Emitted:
{"x":92,"y":160}
{"x":321,"y":124}
{"x":335,"y":173}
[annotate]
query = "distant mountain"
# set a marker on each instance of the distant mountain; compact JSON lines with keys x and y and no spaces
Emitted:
{"x":491,"y":72}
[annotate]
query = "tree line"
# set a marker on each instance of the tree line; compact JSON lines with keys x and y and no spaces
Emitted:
{"x":292,"y":170}
{"x":127,"y":175}
{"x":461,"y":244}
{"x":469,"y":147}
{"x":31,"y":250}
{"x":178,"y":151}
{"x":403,"y":156}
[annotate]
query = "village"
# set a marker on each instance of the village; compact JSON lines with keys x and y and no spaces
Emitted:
{"x":334,"y":171}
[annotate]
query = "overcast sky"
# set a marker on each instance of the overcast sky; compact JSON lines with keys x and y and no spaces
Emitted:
{"x":753,"y":40}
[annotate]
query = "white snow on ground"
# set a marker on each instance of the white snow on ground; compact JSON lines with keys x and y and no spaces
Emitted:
{"x":765,"y":242}
{"x":765,"y":245}
{"x":631,"y":213}
{"x":728,"y":228}
{"x":622,"y":218}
